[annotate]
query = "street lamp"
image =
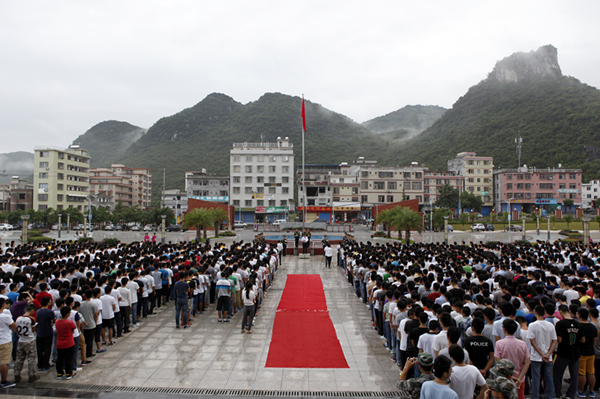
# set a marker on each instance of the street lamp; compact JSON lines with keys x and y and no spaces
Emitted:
{"x":586,"y":230}
{"x":68,"y":222}
{"x":24,"y":218}
{"x":524,"y":234}
{"x":548,"y":228}
{"x":446,"y":230}
{"x":59,"y":223}
{"x":162,"y":234}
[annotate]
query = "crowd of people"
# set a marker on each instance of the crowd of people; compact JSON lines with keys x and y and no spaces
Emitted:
{"x":488,"y":320}
{"x":63,"y":303}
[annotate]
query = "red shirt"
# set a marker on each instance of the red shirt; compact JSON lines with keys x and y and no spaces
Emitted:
{"x":64,"y":333}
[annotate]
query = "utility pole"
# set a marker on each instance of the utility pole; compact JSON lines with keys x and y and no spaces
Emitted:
{"x":519,"y":142}
{"x":162,"y":196}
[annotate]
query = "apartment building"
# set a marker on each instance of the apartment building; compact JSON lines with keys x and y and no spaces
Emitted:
{"x":121,"y":184}
{"x":528,"y":188}
{"x":315,"y":194}
{"x":61,"y":178}
{"x":346,"y":193}
{"x":202,"y":186}
{"x":262,"y":180}
{"x":434,"y":180}
{"x":478,"y":173}
{"x":177,"y":200}
{"x":589,"y":193}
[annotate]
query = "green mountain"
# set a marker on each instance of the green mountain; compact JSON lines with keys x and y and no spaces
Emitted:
{"x":201,"y":136}
{"x":406,"y":122}
{"x":107,"y":142}
{"x":557,"y":116}
{"x":18,"y":163}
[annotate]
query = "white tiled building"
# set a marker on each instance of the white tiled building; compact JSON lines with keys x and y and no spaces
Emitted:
{"x":262,"y":179}
{"x":590,"y":192}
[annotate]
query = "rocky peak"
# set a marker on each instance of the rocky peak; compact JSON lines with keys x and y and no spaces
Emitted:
{"x":540,"y":63}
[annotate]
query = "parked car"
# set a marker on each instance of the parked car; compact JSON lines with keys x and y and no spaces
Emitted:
{"x":109,"y":227}
{"x":450,"y":228}
{"x":121,"y":227}
{"x":515,"y":227}
{"x":478,"y":227}
{"x":173,"y":227}
{"x":55,"y":226}
{"x":489,"y":227}
{"x":240,"y":225}
{"x":148,"y":227}
{"x":6,"y":226}
{"x":280,"y":221}
{"x":136,"y":227}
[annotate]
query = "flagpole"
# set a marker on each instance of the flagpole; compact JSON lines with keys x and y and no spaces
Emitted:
{"x":303,"y":185}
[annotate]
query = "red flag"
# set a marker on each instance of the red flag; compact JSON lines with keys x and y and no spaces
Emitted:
{"x":303,"y":116}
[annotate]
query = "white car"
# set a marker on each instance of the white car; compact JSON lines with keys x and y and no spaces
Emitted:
{"x":240,"y":225}
{"x":478,"y":227}
{"x":5,"y":226}
{"x":280,"y":221}
{"x":148,"y":227}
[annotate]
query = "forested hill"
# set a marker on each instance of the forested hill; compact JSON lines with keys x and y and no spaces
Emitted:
{"x":108,"y":141}
{"x":201,"y":136}
{"x":406,"y":122}
{"x":558,"y":118}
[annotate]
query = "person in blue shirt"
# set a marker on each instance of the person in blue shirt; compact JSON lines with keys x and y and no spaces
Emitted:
{"x":438,"y":388}
{"x":13,"y":295}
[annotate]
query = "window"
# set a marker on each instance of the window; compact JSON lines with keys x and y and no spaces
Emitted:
{"x":520,"y":186}
{"x":528,"y":176}
{"x":42,"y":197}
{"x":364,"y":174}
{"x":272,"y":169}
{"x":285,"y":179}
{"x":43,"y":175}
{"x":383,"y":175}
{"x":260,"y":179}
{"x":248,"y":203}
{"x":59,"y":186}
{"x":285,"y":158}
{"x":509,"y":186}
{"x":236,"y":158}
{"x":336,"y":190}
{"x":43,"y":164}
{"x":260,"y":202}
{"x":418,"y":175}
{"x":471,"y":180}
{"x":562,"y":176}
{"x":390,"y":198}
{"x":417,"y":185}
{"x":283,"y":202}
{"x":59,"y":197}
{"x":391,"y":185}
{"x":381,"y":198}
{"x":379,"y":185}
{"x":260,"y":190}
{"x":43,"y":186}
{"x":236,"y":190}
{"x":260,"y":169}
{"x":354,"y":191}
{"x":426,"y":181}
{"x":519,"y":177}
{"x":562,"y":185}
{"x":285,"y":169}
{"x":248,"y":168}
{"x":471,"y":171}
{"x":248,"y":190}
{"x":44,"y":154}
{"x":248,"y":158}
{"x":261,"y":158}
{"x":271,"y":179}
{"x":236,"y":168}
{"x":273,"y":158}
{"x":572,"y":186}
{"x":407,"y":185}
{"x":508,"y":176}
{"x":528,"y":186}
{"x":272,"y":190}
{"x":236,"y":179}
{"x":61,"y":155}
{"x":572,"y":176}
{"x":236,"y":202}
{"x":285,"y":190}
{"x":363,"y":199}
{"x":406,"y":175}
{"x":364,"y":185}
{"x":248,"y":179}
{"x":272,"y":202}
{"x":42,"y":207}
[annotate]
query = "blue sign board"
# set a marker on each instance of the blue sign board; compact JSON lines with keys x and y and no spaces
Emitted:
{"x":544,"y":201}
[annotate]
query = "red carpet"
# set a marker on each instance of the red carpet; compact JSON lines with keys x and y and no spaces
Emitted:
{"x":303,"y":334}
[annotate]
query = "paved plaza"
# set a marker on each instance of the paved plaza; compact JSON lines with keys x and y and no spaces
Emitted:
{"x":213,"y":355}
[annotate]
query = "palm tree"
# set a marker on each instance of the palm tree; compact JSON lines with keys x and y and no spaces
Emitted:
{"x":200,"y":218}
{"x":385,"y":217}
{"x":406,"y":219}
{"x":219,"y":215}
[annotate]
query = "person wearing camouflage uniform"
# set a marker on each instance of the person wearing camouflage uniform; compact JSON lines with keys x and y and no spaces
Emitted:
{"x":502,"y":382}
{"x":503,"y":389}
{"x":413,"y":385}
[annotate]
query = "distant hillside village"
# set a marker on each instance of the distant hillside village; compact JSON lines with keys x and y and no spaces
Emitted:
{"x":263,"y":176}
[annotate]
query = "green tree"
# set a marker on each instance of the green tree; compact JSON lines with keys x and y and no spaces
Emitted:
{"x":471,"y":201}
{"x":553,"y":221}
{"x":568,"y":203}
{"x":568,"y":219}
{"x":463,"y":219}
{"x":200,"y":218}
{"x":448,"y":197}
{"x":597,"y":220}
{"x":438,"y":217}
{"x":405,"y":219}
{"x":385,"y":217}
{"x":219,"y":215}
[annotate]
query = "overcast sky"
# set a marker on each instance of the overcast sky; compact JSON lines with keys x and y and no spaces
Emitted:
{"x":67,"y":65}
